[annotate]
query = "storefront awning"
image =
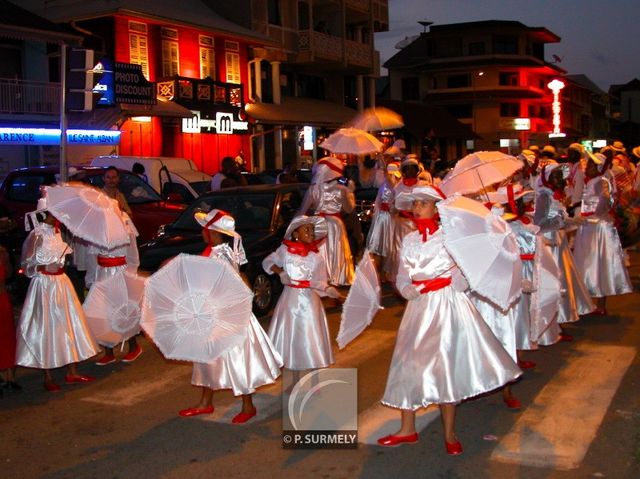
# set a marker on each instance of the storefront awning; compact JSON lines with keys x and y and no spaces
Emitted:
{"x":105,"y":118}
{"x":301,"y":111}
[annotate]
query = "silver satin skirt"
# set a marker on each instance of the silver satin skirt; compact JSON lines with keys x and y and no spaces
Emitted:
{"x":380,"y":240}
{"x":445,"y":353}
{"x":551,"y":335}
{"x":52,"y":331}
{"x":522,"y":314}
{"x":244,"y":368}
{"x":401,"y":227}
{"x":502,"y":325}
{"x":299,"y":330}
{"x":600,"y":260}
{"x":337,"y":253}
{"x":576,"y":299}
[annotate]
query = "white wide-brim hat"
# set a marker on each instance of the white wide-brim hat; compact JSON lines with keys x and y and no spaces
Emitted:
{"x":404,"y":201}
{"x":217,"y":220}
{"x":320,"y":229}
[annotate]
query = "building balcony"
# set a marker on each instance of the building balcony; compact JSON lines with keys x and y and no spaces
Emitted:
{"x":29,"y":97}
{"x":321,"y":47}
{"x":196,"y":94}
{"x":498,"y":92}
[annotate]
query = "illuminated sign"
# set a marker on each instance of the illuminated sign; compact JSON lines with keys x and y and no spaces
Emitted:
{"x":307,"y":134}
{"x":555,"y":86}
{"x":522,"y":124}
{"x":51,"y":136}
{"x":123,"y":83}
{"x":223,"y":124}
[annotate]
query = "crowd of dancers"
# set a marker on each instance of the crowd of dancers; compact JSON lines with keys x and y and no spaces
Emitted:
{"x":454,"y":341}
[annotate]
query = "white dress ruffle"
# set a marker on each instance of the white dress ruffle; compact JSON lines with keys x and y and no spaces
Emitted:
{"x":246,"y":367}
{"x":52,"y":330}
{"x":444,"y":351}
{"x":299,"y":329}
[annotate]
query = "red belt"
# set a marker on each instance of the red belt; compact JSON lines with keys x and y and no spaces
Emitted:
{"x":335,"y":215}
{"x":384,"y":206}
{"x":527,"y":257}
{"x":300,"y":284}
{"x":587,"y":214}
{"x":53,"y":273}
{"x":429,"y":285}
{"x":107,"y":262}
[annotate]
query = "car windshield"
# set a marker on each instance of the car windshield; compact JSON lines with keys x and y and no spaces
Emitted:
{"x":201,"y":187}
{"x":135,"y":190}
{"x":250,"y":211}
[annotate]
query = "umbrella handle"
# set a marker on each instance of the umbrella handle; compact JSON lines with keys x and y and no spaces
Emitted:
{"x":484,"y":188}
{"x":63,"y":253}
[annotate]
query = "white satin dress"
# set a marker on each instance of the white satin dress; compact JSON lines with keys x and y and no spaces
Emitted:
{"x":444,"y":351}
{"x":249,"y":365}
{"x":329,"y":199}
{"x":380,"y":237}
{"x":298,"y":326}
{"x":550,"y":216}
{"x":52,"y":331}
{"x":597,"y":250}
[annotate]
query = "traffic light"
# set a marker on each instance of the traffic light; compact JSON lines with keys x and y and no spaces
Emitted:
{"x":80,"y":64}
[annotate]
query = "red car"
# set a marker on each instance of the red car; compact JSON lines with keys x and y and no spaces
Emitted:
{"x":20,"y":191}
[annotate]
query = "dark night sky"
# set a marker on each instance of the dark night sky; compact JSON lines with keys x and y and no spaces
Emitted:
{"x":599,"y":38}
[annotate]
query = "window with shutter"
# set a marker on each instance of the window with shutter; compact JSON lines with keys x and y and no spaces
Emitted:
{"x":170,"y":59}
{"x":207,"y":63}
{"x":233,"y":67}
{"x":138,"y":53}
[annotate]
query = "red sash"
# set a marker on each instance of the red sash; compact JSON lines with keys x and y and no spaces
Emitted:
{"x":335,"y":215}
{"x":428,"y":285}
{"x":587,"y":214}
{"x":384,"y":206}
{"x":106,"y":262}
{"x":300,"y":284}
{"x":53,"y":273}
{"x":527,"y":256}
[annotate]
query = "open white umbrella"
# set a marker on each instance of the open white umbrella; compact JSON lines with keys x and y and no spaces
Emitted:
{"x":377,"y":119}
{"x":483,"y":247}
{"x":112,"y":308}
{"x":352,"y":141}
{"x":88,"y":213}
{"x":196,"y":308}
{"x":362,"y":303}
{"x":545,"y":298}
{"x":477,"y":171}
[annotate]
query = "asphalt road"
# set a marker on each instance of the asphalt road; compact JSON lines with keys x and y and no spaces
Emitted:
{"x":582,"y":394}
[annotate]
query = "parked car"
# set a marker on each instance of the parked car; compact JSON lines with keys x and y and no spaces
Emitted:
{"x":262,"y":213}
{"x":177,"y":176}
{"x":20,"y":191}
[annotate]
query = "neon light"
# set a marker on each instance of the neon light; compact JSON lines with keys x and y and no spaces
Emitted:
{"x":224,"y":124}
{"x":522,"y":123}
{"x":51,"y":136}
{"x":555,"y":86}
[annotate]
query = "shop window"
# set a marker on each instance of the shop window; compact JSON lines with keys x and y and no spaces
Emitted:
{"x":510,"y":110}
{"x":273,"y":12}
{"x":458,"y":81}
{"x":508,"y":79}
{"x":410,"y":88}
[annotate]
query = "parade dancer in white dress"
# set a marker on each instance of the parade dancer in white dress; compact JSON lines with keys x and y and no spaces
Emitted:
{"x":52,"y":331}
{"x":403,"y":225}
{"x":329,"y":199}
{"x":597,"y":250}
{"x":551,"y":216}
{"x":108,"y":263}
{"x":444,"y":351}
{"x":298,"y":327}
{"x":380,"y":240}
{"x":253,"y":363}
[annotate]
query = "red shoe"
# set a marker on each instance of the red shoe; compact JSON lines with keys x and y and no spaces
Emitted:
{"x":513,"y":403}
{"x":78,"y":379}
{"x":526,"y":364}
{"x":600,"y":312}
{"x":566,"y":337}
{"x":196,"y":411}
{"x":393,"y":441}
{"x":52,"y":387}
{"x":106,"y":359}
{"x":453,"y":448}
{"x":243,"y":417}
{"x":131,"y":356}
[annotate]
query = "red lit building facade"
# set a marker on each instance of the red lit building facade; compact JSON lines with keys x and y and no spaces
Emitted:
{"x":198,"y":61}
{"x":491,"y":75}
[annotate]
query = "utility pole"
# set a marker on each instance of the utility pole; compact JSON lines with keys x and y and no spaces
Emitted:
{"x":64,"y":171}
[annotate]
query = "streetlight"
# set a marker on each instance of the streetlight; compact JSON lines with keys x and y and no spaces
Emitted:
{"x":555,"y":86}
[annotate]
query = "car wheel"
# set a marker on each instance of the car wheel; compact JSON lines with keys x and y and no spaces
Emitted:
{"x":263,"y":292}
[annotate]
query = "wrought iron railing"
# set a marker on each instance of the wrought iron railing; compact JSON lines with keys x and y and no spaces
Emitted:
{"x":29,"y":97}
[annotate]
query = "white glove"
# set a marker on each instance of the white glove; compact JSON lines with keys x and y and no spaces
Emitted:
{"x":458,"y":282}
{"x":410,"y":292}
{"x":332,"y":292}
{"x":527,"y":286}
{"x":284,"y":278}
